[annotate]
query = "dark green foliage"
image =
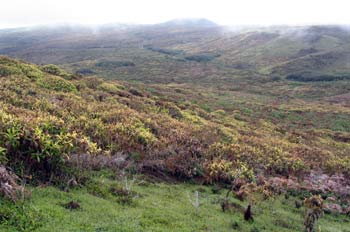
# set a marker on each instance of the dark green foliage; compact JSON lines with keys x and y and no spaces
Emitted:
{"x":202,"y":57}
{"x":310,"y":77}
{"x":114,"y":64}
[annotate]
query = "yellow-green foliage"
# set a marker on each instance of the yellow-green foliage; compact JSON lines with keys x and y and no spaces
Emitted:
{"x":56,"y":83}
{"x":109,"y":87}
{"x":90,"y":115}
{"x":54,"y":70}
{"x":8,"y":70}
{"x":224,"y":170}
{"x":12,"y":67}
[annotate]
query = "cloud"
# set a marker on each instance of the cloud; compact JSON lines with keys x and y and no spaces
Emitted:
{"x":232,"y":12}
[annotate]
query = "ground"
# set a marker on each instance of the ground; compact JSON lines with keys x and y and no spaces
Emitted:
{"x":156,"y":207}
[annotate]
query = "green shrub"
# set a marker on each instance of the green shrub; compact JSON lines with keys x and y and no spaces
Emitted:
{"x":56,"y":83}
{"x":9,"y":70}
{"x":109,"y":87}
{"x":38,"y":149}
{"x":54,"y":70}
{"x":31,"y":71}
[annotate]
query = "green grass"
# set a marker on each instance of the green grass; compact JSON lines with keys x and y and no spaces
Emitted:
{"x":160,"y":207}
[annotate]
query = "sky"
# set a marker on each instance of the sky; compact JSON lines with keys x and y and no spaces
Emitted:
{"x":18,"y":13}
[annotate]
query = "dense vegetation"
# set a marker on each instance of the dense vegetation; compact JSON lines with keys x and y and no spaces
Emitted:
{"x":47,"y":117}
{"x":233,"y":112}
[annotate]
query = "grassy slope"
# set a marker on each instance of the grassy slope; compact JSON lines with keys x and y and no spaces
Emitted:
{"x":151,"y":121}
{"x":160,"y":207}
{"x":163,"y":207}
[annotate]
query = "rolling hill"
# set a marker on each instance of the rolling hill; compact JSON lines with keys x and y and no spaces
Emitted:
{"x":180,"y":45}
{"x":180,"y":109}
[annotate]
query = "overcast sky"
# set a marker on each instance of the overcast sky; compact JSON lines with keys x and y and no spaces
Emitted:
{"x":14,"y":13}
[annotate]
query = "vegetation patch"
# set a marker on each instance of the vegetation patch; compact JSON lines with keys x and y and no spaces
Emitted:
{"x":310,"y":77}
{"x":55,"y":70}
{"x":57,"y":83}
{"x":202,"y":57}
{"x":114,"y":64}
{"x":110,"y":88}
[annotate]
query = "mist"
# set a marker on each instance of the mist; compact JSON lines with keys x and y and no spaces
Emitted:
{"x":21,"y":13}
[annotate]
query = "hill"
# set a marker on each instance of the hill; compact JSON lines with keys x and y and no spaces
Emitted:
{"x":179,"y":45}
{"x":58,"y":127}
{"x":165,"y":129}
{"x":128,"y":116}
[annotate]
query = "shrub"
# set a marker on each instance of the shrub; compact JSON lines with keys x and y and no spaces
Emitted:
{"x":54,"y":70}
{"x":31,"y":71}
{"x":109,"y":87}
{"x":220,"y":170}
{"x":37,"y":148}
{"x":56,"y":83}
{"x":9,"y":70}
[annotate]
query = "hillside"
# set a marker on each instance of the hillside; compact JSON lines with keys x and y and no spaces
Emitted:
{"x":53,"y":123}
{"x":171,"y":49}
{"x":121,"y":118}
